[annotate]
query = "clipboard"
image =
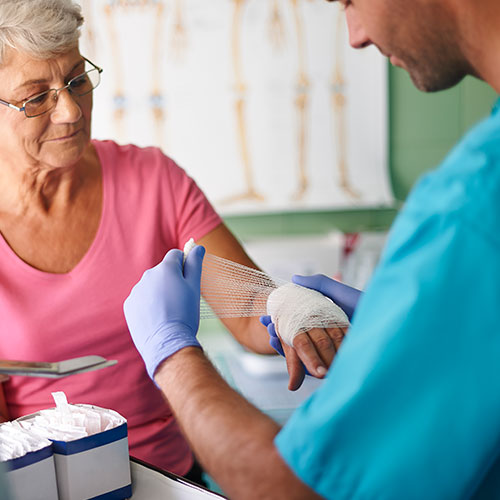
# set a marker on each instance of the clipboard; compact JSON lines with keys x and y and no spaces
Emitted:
{"x":151,"y":483}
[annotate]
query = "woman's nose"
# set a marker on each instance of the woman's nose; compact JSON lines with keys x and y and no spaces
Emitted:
{"x":67,"y":109}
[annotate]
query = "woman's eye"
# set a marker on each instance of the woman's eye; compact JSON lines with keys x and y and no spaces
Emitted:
{"x":39,"y":98}
{"x":79,"y":81}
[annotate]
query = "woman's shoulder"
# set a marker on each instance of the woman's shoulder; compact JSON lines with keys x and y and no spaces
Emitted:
{"x":111,"y":151}
{"x":139,"y":164}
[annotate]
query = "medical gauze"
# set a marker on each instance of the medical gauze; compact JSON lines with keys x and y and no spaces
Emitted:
{"x":231,"y":290}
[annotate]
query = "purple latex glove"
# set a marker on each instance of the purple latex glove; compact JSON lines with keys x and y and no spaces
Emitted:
{"x":274,"y":340}
{"x":163,"y":309}
{"x":344,"y":296}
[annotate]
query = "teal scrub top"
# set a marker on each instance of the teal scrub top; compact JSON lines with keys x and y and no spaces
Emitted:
{"x":410,"y":408}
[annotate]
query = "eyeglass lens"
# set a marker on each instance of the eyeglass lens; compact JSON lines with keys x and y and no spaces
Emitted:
{"x":79,"y":86}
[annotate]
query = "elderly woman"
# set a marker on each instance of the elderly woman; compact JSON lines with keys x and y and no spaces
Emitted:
{"x":80,"y":221}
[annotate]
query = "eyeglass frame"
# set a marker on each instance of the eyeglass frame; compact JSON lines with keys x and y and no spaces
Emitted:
{"x":67,"y":86}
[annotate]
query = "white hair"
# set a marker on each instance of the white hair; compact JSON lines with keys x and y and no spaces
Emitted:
{"x":40,"y":28}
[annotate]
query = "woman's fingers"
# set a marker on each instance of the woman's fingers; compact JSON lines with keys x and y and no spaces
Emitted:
{"x":296,"y":372}
{"x":317,"y":348}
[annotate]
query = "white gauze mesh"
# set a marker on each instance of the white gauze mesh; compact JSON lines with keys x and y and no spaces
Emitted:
{"x":231,"y":290}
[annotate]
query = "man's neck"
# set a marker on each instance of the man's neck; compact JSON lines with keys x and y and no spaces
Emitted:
{"x":479,"y":23}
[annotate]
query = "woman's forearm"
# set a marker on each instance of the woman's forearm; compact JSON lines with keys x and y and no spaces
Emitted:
{"x":4,"y":411}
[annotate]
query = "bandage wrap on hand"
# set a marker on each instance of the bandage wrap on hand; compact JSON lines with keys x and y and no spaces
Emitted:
{"x":295,"y":309}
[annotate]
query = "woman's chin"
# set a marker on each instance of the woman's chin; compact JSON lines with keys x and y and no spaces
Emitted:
{"x":63,"y":153}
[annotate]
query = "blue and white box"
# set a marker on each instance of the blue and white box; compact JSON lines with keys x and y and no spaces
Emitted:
{"x":32,"y":476}
{"x":96,"y":466}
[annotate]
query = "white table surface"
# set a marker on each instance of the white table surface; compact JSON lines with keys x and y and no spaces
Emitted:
{"x":148,"y":484}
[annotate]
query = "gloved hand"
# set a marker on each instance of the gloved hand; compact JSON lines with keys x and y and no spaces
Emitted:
{"x":163,"y":308}
{"x":274,"y":340}
{"x":344,"y":296}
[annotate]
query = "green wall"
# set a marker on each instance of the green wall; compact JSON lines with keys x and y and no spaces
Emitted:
{"x":422,"y":128}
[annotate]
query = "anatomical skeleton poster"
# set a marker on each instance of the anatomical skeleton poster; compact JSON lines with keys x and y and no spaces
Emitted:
{"x":262,"y":102}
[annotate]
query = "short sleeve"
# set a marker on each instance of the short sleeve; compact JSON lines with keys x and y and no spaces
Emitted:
{"x":411,"y":405}
{"x":194,"y":214}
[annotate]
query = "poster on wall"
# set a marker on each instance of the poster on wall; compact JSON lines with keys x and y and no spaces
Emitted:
{"x":262,"y":102}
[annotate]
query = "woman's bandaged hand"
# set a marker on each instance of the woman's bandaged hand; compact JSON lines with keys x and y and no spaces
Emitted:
{"x":307,"y":327}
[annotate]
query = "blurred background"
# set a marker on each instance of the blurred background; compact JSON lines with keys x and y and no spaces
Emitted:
{"x":305,"y":146}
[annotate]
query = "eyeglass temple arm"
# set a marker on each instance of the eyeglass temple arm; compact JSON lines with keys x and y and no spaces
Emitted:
{"x":95,"y":65}
{"x":5,"y":103}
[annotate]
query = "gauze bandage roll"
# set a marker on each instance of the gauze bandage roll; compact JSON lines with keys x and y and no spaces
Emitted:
{"x":231,"y":290}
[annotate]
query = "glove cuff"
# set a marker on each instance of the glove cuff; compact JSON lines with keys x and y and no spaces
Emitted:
{"x":169,"y":340}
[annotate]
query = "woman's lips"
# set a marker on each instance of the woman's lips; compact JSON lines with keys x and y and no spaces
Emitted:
{"x":66,"y":137}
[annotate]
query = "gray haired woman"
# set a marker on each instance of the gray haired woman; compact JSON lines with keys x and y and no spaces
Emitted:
{"x":80,"y":221}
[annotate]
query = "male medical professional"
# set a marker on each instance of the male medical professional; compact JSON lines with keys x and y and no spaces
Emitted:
{"x":410,"y":407}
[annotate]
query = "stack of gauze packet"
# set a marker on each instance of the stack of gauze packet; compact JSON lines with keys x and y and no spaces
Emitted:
{"x":68,"y":422}
{"x":15,"y":441}
{"x":53,"y":453}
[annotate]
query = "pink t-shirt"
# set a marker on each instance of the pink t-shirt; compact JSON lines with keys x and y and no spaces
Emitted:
{"x":150,"y":205}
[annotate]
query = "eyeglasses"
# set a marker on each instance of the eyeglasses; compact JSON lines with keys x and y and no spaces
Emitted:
{"x":46,"y":101}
